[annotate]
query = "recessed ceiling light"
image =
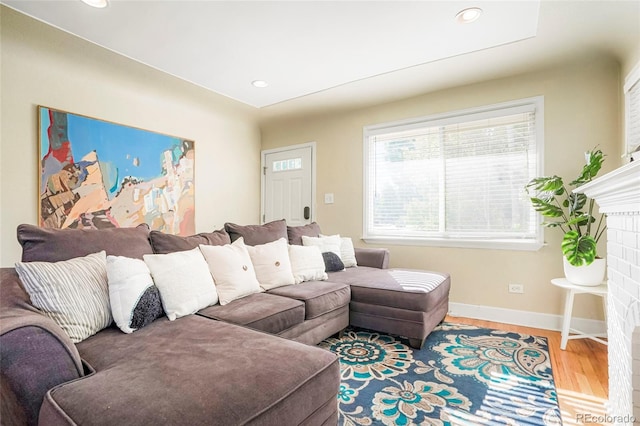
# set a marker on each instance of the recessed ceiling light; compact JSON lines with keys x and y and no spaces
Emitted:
{"x":259,"y":83}
{"x":97,"y":3}
{"x":466,"y":16}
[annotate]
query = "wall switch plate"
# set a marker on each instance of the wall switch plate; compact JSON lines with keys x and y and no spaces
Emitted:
{"x":516,"y":288}
{"x":328,"y":198}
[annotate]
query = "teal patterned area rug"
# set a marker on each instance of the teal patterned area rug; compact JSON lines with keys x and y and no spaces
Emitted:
{"x":464,"y":375}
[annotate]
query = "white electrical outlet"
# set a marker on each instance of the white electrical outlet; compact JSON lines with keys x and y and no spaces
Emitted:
{"x":516,"y":288}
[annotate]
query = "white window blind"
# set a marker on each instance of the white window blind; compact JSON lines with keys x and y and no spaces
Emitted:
{"x":632,"y":111}
{"x":455,"y":179}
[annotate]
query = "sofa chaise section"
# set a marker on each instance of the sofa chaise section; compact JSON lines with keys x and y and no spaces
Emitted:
{"x":195,"y":371}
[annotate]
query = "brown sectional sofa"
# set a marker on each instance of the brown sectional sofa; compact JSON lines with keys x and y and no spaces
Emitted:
{"x":223,"y":365}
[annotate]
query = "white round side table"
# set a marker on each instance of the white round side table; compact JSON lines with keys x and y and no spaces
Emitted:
{"x":571,"y":290}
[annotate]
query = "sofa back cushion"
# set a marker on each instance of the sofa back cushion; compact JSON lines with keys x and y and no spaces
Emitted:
{"x":258,"y":234}
{"x":167,"y":243}
{"x":295,"y":233}
{"x":54,"y":245}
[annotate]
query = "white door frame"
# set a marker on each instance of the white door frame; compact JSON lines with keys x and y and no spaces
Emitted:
{"x":263,"y":156}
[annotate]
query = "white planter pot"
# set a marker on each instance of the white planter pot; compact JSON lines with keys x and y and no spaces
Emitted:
{"x":589,"y":275}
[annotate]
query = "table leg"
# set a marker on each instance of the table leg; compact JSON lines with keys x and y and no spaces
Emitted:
{"x":566,"y":322}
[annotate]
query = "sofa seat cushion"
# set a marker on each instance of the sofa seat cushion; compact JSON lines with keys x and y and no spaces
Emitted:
{"x":194,"y":371}
{"x":413,"y":290}
{"x":264,"y":312}
{"x":319,"y":297}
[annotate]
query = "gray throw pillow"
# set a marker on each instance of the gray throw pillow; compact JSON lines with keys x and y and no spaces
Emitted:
{"x":332,"y":262}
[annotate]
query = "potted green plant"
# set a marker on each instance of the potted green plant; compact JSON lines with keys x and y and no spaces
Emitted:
{"x":573,"y":214}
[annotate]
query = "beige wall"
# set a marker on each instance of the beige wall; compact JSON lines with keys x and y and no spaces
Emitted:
{"x":44,"y":66}
{"x":632,"y":59}
{"x":582,"y":110}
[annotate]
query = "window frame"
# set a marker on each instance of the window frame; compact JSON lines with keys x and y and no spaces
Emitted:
{"x":468,"y":114}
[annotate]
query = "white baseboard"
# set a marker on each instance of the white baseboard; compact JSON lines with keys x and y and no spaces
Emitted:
{"x":524,"y":318}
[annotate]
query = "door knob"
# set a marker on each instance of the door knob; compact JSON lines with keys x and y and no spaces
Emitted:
{"x":307,"y":212}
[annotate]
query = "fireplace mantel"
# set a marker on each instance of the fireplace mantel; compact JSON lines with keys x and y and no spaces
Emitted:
{"x":617,"y":191}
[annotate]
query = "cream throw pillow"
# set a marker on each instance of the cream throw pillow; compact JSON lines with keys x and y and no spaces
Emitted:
{"x":184,"y":281}
{"x":73,"y":293}
{"x":232,"y":270}
{"x":331,"y":243}
{"x":307,"y":263}
{"x":271,"y":263}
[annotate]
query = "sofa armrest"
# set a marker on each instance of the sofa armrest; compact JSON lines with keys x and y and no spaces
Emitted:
{"x":36,"y":354}
{"x":372,"y":257}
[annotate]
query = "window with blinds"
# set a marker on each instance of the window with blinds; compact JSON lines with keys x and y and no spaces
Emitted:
{"x":632,"y":113}
{"x":456,"y":179}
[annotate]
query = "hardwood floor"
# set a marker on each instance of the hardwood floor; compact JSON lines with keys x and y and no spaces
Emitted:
{"x":580,"y":372}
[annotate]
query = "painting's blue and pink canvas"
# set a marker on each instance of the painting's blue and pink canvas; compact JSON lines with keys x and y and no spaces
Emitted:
{"x":97,"y":174}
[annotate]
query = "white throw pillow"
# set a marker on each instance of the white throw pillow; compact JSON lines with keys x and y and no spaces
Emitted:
{"x":184,"y":281}
{"x":347,"y":252}
{"x":307,"y":263}
{"x":331,"y":243}
{"x":73,"y":293}
{"x":271,"y":263}
{"x":135,"y":299}
{"x":232,"y":270}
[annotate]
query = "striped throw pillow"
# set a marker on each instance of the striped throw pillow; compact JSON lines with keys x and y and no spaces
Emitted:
{"x":74,"y":293}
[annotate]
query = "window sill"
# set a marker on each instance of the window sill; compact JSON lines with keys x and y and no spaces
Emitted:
{"x":474,"y":244}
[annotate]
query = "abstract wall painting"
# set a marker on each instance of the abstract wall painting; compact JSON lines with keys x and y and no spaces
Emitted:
{"x":97,"y":174}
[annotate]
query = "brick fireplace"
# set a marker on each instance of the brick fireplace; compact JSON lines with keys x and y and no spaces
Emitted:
{"x":618,"y":196}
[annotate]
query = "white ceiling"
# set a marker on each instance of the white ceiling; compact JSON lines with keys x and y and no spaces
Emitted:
{"x":321,"y":54}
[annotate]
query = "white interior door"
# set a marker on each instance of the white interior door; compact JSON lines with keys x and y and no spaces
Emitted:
{"x":288,"y":185}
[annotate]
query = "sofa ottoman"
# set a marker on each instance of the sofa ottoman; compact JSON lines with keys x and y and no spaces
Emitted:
{"x":405,"y":302}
